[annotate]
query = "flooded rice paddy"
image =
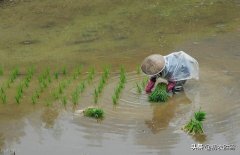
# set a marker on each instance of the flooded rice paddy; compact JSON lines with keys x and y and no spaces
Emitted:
{"x":62,"y":35}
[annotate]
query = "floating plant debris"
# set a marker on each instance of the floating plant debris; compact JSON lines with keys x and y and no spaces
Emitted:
{"x":94,"y":113}
{"x":159,"y":94}
{"x":194,"y":126}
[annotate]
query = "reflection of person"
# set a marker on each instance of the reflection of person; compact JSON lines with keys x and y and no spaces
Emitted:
{"x":163,"y":113}
{"x":176,"y":68}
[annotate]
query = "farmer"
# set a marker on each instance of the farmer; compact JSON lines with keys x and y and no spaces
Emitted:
{"x":175,"y":68}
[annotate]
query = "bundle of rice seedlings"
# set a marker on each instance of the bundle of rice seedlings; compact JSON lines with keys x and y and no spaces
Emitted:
{"x":159,"y":94}
{"x":94,"y":113}
{"x":194,"y":126}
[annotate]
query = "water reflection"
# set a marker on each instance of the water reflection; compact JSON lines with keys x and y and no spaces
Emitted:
{"x":164,"y":112}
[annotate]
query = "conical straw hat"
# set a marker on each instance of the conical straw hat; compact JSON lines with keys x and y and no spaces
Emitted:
{"x":153,"y":64}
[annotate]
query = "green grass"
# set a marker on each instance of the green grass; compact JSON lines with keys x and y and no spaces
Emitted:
{"x":159,"y":94}
{"x":96,"y":113}
{"x":194,"y":126}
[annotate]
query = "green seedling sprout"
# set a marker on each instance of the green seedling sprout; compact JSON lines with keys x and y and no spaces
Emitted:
{"x":120,"y":85}
{"x":114,"y":99}
{"x":64,"y":101}
{"x":64,"y":71}
{"x":14,"y":75}
{"x":102,"y":82}
{"x":95,"y":95}
{"x":1,"y":71}
{"x":75,"y":97}
{"x":139,"y":89}
{"x":56,"y":74}
{"x":96,"y":113}
{"x":34,"y":99}
{"x":159,"y":94}
{"x":138,"y":69}
{"x":144,"y":82}
{"x":4,"y":98}
{"x":194,"y":126}
{"x":91,"y":74}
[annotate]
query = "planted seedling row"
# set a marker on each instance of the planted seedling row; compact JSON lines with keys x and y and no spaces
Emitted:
{"x":44,"y":80}
{"x":102,"y":83}
{"x":141,"y":86}
{"x":120,"y":86}
{"x":64,"y":84}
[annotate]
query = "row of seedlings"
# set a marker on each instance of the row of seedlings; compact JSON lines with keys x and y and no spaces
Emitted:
{"x":25,"y":83}
{"x":44,"y":80}
{"x":81,"y":86}
{"x":58,"y":94}
{"x":12,"y":78}
{"x":120,"y":86}
{"x":103,"y":80}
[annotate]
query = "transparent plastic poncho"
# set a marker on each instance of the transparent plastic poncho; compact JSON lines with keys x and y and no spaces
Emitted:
{"x":180,"y":66}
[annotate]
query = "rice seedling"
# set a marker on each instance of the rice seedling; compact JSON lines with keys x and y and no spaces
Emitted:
{"x":159,"y":94}
{"x":96,"y":113}
{"x":114,"y":99}
{"x":77,"y":72}
{"x":64,"y":71}
{"x":2,"y":91}
{"x":56,"y":75}
{"x":91,"y":75}
{"x":120,"y":86}
{"x":194,"y":126}
{"x":75,"y":97}
{"x":95,"y":95}
{"x":101,"y":84}
{"x":144,"y":82}
{"x":34,"y":99}
{"x":64,"y":101}
{"x":17,"y":98}
{"x":4,"y":98}
{"x":1,"y":71}
{"x":14,"y":75}
{"x":139,"y":89}
{"x":37,"y":94}
{"x":138,"y":69}
{"x":8,"y":84}
{"x":19,"y":93}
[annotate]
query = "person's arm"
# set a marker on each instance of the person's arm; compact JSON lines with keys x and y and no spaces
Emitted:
{"x":150,"y":85}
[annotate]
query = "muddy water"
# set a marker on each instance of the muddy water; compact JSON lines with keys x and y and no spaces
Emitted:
{"x":68,"y":33}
